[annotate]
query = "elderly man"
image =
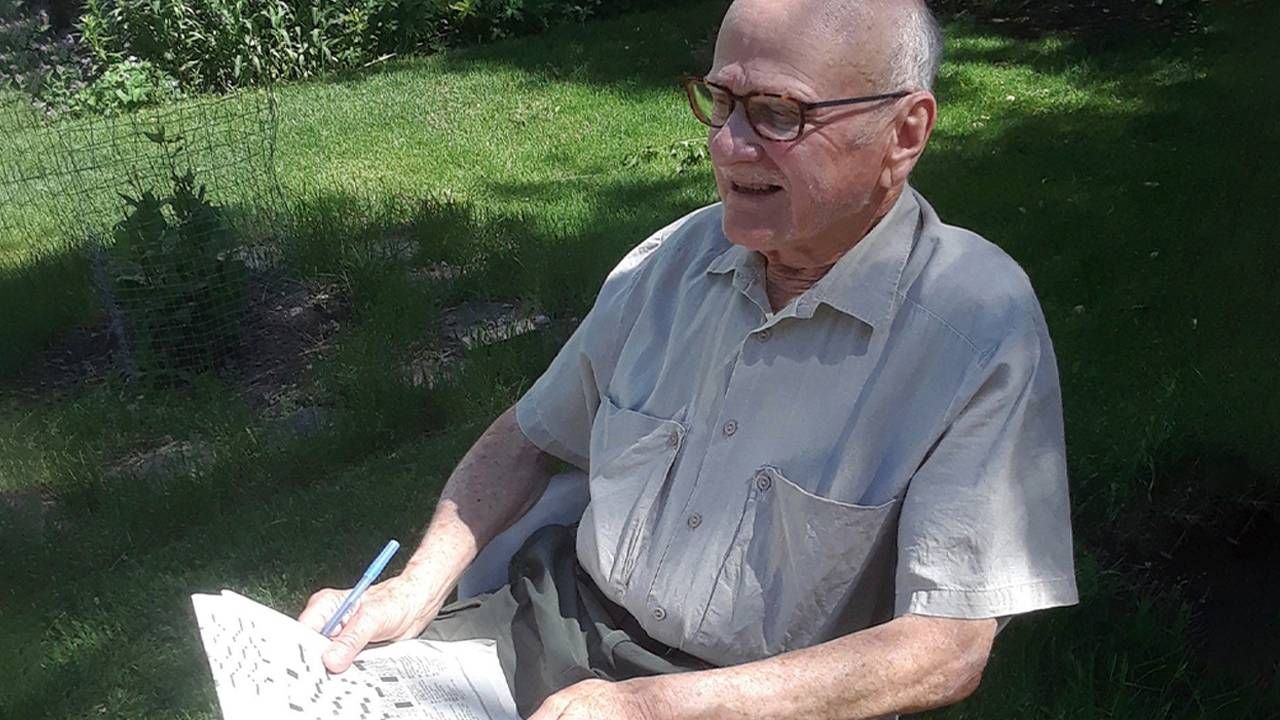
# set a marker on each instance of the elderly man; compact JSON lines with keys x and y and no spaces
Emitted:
{"x":821,"y":430}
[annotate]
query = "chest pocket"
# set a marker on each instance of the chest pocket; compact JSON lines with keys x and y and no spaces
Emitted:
{"x":631,"y":457}
{"x":800,"y":567}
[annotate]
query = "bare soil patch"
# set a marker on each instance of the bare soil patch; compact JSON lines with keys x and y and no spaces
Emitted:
{"x":287,"y":325}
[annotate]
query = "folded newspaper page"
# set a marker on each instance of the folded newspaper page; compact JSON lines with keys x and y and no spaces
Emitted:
{"x":267,"y":665}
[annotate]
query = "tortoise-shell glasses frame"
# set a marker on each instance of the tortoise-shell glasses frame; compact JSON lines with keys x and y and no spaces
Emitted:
{"x":794,"y":112}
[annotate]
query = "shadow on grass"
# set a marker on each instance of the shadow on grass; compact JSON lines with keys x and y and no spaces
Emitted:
{"x":42,"y":297}
{"x":143,"y":542}
{"x":1140,"y":227}
{"x":97,"y":619}
{"x":620,"y":52}
{"x":631,"y":52}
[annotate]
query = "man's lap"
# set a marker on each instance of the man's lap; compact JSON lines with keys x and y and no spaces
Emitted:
{"x":554,"y":628}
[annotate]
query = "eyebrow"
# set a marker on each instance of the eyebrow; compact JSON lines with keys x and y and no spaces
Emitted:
{"x":801,"y":95}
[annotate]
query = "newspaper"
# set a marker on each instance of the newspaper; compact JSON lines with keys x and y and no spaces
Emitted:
{"x":267,"y":665}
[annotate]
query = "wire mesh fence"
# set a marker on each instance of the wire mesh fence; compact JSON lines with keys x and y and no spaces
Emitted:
{"x":175,"y":210}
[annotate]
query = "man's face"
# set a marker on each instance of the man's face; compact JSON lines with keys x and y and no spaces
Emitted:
{"x":802,"y":202}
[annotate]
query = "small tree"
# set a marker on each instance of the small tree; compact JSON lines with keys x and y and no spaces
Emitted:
{"x":175,"y":275}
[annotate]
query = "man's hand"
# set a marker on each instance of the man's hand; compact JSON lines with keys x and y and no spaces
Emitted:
{"x":397,"y":609}
{"x":638,"y":699}
{"x":498,"y":480}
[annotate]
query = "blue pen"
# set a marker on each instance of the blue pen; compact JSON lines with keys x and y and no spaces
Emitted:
{"x":375,"y":569}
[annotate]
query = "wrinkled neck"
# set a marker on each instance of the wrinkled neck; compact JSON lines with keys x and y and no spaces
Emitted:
{"x":786,"y":279}
{"x":783,"y":284}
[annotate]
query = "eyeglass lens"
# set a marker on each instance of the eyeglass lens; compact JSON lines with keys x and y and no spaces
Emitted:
{"x":772,"y":117}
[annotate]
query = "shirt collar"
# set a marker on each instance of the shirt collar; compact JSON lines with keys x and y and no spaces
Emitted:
{"x":864,"y":283}
{"x":735,"y":259}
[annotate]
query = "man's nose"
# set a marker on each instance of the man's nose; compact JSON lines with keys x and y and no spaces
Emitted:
{"x":736,"y":141}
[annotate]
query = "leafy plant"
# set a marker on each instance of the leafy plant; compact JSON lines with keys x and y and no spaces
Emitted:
{"x":686,"y":155}
{"x":219,"y":44}
{"x":48,"y":65}
{"x":175,"y":276}
{"x":124,"y":86}
{"x":19,"y":31}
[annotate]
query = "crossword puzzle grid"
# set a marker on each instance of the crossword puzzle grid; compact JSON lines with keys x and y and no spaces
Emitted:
{"x":241,"y":661}
{"x":256,"y":666}
{"x":235,"y":650}
{"x":357,"y":694}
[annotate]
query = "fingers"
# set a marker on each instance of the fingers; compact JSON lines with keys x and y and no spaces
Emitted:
{"x":320,"y":607}
{"x":388,"y":611}
{"x":359,"y":630}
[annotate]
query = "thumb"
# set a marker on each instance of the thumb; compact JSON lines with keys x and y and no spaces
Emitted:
{"x":355,"y":635}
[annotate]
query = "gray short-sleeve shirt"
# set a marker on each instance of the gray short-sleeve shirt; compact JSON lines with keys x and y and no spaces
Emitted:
{"x":890,"y":442}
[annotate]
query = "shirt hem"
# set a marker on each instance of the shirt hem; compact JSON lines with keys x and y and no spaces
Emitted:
{"x":988,"y":603}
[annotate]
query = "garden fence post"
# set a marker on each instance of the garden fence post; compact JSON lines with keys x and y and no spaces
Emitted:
{"x":115,"y":317}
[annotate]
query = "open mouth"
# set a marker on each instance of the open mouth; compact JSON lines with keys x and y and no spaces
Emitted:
{"x":758,"y":189}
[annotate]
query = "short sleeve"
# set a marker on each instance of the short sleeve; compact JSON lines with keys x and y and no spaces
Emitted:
{"x":985,"y":529}
{"x":557,"y":412}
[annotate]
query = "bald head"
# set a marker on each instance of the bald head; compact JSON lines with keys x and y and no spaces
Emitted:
{"x":855,"y":76}
{"x":888,"y":44}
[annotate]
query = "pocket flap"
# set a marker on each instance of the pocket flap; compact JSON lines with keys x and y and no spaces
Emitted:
{"x":617,"y":430}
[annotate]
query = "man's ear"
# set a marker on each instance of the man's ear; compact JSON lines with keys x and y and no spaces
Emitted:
{"x":912,"y":128}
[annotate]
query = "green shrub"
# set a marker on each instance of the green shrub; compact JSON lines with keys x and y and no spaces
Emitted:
{"x":36,"y":59}
{"x":124,"y":86}
{"x":55,"y":70}
{"x":176,"y":279}
{"x":219,"y":44}
{"x":129,"y":53}
{"x":19,"y":31}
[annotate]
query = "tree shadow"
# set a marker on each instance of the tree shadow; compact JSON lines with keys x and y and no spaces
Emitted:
{"x":44,"y":296}
{"x":1098,"y":19}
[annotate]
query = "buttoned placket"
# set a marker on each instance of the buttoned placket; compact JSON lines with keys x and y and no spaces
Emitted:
{"x":758,"y":484}
{"x":673,"y":591}
{"x":719,"y":453}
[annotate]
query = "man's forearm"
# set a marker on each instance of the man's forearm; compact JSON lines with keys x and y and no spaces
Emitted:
{"x":496,"y":483}
{"x":910,"y":664}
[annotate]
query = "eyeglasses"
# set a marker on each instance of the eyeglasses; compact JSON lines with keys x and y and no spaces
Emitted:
{"x":772,"y":116}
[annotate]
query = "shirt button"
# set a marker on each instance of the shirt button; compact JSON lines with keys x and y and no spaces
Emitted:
{"x":674,"y":439}
{"x":694,"y":521}
{"x":659,"y":614}
{"x":730,"y":428}
{"x":763,"y":481}
{"x":763,"y":335}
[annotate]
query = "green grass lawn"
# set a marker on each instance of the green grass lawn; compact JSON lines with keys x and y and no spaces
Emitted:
{"x":1134,"y":179}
